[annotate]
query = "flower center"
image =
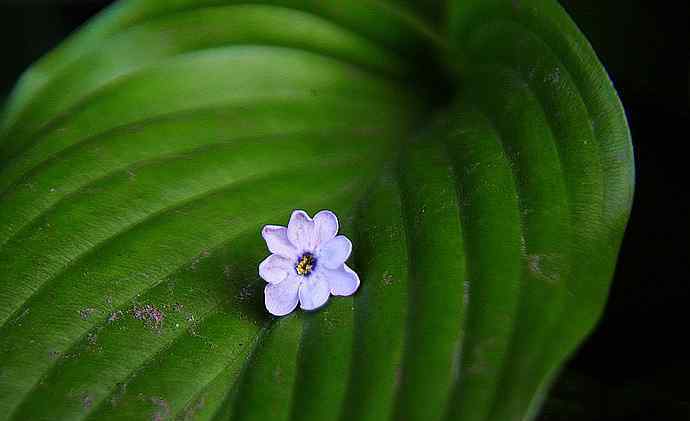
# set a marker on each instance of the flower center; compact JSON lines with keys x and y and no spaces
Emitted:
{"x":305,"y":264}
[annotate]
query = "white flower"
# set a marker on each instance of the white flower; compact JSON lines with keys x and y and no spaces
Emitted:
{"x":307,"y":264}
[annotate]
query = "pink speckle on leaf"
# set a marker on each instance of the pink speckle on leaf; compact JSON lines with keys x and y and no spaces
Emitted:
{"x":85,"y":313}
{"x":149,"y":314}
{"x":114,"y":316}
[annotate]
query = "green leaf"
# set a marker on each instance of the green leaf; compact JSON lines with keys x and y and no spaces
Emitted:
{"x":477,"y":155}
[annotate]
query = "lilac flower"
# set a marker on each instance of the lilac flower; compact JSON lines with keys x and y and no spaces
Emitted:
{"x":307,"y":264}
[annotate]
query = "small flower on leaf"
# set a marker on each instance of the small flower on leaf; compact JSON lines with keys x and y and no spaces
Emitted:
{"x":307,"y":264}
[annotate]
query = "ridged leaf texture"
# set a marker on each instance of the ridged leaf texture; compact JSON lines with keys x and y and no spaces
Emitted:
{"x":475,"y":151}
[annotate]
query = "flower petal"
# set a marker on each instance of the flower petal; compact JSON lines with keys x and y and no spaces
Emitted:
{"x":277,"y":241}
{"x":313,"y":293}
{"x":300,"y":231}
{"x":282,"y":298}
{"x":275,"y":268}
{"x":343,"y":281}
{"x":335,"y":252}
{"x":325,"y":226}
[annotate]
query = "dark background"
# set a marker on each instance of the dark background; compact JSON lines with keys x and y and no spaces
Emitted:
{"x":636,"y":364}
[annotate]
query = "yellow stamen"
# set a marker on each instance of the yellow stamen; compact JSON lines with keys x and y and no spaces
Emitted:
{"x":305,"y":264}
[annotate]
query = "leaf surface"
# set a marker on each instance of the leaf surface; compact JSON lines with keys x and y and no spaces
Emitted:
{"x":477,"y":155}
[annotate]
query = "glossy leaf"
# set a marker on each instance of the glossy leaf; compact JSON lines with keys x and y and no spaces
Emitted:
{"x":477,"y":155}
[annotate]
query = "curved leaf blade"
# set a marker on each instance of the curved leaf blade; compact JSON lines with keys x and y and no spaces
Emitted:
{"x":132,"y":198}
